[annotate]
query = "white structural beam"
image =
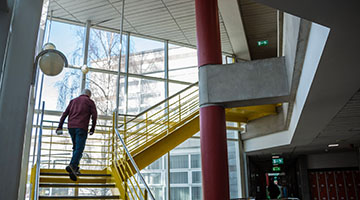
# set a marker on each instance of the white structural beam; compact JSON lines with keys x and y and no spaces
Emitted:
{"x":230,"y":12}
{"x":316,"y":43}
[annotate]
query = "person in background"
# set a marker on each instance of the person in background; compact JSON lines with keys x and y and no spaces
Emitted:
{"x":274,"y":190}
{"x":79,"y":111}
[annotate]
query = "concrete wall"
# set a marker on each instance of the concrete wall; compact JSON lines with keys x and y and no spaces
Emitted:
{"x":246,"y":83}
{"x":14,"y":92}
{"x":332,"y":160}
{"x":313,"y":47}
{"x":5,"y":16}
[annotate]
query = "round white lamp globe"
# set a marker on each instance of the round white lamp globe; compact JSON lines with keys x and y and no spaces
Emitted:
{"x":51,"y":64}
{"x":85,"y":69}
{"x":49,"y":46}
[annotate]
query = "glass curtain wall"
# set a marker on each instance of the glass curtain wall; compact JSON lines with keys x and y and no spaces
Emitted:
{"x":146,"y":76}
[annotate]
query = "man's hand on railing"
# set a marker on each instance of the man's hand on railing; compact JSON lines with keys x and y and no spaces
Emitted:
{"x":59,"y":131}
{"x":91,"y":132}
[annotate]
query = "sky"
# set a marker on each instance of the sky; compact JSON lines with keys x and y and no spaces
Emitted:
{"x":66,"y":39}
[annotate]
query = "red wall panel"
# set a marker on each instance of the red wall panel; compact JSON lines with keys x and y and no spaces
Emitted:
{"x":350,"y":188}
{"x":330,"y":178}
{"x":322,"y":185}
{"x":313,"y":186}
{"x":335,"y":185}
{"x":339,"y":178}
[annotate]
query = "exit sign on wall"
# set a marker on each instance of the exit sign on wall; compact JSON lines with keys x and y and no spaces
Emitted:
{"x":277,"y":161}
{"x":276,"y":169}
{"x":262,"y":43}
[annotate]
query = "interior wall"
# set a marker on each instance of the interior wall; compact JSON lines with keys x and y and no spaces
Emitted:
{"x":332,"y":160}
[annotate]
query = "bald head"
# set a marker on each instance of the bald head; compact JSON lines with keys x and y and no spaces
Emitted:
{"x":86,"y":92}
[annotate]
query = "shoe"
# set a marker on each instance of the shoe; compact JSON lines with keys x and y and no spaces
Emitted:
{"x":78,"y":172}
{"x":72,"y":172}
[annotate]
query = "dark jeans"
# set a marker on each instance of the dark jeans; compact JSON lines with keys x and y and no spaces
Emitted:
{"x":78,"y":137}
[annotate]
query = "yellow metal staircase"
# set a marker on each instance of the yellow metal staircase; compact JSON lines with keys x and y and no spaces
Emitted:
{"x":115,"y":155}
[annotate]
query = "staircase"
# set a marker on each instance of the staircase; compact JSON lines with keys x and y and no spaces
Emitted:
{"x":113,"y":157}
{"x":98,"y":182}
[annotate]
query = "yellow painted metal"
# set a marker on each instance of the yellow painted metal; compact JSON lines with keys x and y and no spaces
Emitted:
{"x":161,"y":147}
{"x":148,"y":137}
{"x":83,"y":171}
{"x":32,"y":181}
{"x":250,"y":113}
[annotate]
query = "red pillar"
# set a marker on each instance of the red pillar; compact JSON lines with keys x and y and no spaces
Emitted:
{"x":214,"y":158}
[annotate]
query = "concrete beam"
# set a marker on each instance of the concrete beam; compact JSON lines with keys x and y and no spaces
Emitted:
{"x":251,"y":83}
{"x":230,"y":12}
{"x":14,"y":91}
{"x":267,"y":125}
{"x":4,"y":6}
{"x":314,"y":47}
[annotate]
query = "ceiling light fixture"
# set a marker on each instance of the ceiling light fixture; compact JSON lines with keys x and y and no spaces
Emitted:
{"x":333,"y":145}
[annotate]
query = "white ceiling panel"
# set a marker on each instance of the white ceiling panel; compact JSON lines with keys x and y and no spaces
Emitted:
{"x":172,"y":20}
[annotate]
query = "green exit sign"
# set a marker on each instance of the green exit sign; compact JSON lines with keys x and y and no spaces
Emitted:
{"x":276,"y":169}
{"x":277,"y":161}
{"x":262,"y":43}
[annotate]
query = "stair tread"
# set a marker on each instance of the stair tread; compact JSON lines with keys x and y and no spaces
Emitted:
{"x":66,"y":174}
{"x":80,"y":197}
{"x":80,"y":180}
{"x":76,"y":185}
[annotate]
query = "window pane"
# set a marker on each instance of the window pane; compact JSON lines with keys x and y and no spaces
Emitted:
{"x":152,"y":178}
{"x":60,"y":89}
{"x":104,"y":50}
{"x":179,"y":193}
{"x":175,"y":87}
{"x":178,"y":177}
{"x":196,"y":177}
{"x":178,"y":162}
{"x":157,"y":192}
{"x":234,"y":167}
{"x":183,"y":64}
{"x":103,"y":88}
{"x":144,"y":93}
{"x":146,"y":57}
{"x":69,"y":39}
{"x":195,"y":161}
{"x":196,"y":193}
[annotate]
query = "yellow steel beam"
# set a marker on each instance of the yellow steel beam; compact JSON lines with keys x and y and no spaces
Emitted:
{"x":170,"y":141}
{"x":117,"y":179}
{"x":159,"y":136}
{"x":53,"y":179}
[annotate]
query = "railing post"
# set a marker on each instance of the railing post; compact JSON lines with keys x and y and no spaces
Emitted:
{"x":38,"y":158}
{"x":168,"y":115}
{"x":146,"y":127}
{"x":179,"y":109}
{"x":51,"y":134}
{"x":113,"y":138}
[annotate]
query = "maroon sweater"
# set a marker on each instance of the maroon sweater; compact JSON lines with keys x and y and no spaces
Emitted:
{"x":79,"y":111}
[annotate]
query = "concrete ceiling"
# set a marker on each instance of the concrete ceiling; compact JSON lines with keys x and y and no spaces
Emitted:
{"x":332,"y":109}
{"x":260,"y":23}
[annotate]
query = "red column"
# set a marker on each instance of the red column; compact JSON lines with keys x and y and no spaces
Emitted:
{"x":214,"y":158}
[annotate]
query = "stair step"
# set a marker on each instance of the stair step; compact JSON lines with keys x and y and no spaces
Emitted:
{"x":67,"y":174}
{"x":80,"y":180}
{"x":79,"y":197}
{"x":57,"y":185}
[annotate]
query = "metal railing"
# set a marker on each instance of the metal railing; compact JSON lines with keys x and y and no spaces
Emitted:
{"x":161,"y":119}
{"x":57,"y":149}
{"x":35,"y":183}
{"x":129,"y":172}
{"x":149,"y":126}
